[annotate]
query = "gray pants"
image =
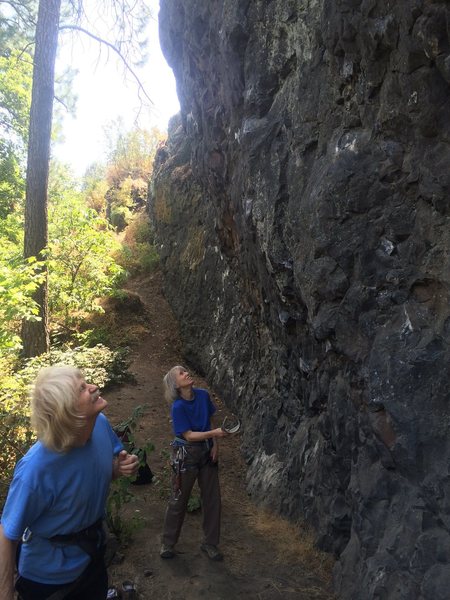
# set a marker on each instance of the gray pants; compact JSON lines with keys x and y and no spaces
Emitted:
{"x":196,"y":466}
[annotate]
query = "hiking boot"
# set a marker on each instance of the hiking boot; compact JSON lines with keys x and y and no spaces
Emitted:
{"x":213,"y":552}
{"x":128,"y":591}
{"x":167,"y":551}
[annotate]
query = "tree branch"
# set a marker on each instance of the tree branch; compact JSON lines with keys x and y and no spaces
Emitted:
{"x":18,"y":8}
{"x":60,"y":101}
{"x":116,"y":50}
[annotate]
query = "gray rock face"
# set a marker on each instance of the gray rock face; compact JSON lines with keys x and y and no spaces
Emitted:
{"x":302,"y":206}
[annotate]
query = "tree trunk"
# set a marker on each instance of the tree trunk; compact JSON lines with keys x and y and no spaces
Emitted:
{"x":35,"y":335}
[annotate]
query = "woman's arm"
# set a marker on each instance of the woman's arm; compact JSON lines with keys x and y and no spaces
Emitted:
{"x":7,"y":565}
{"x":200,"y":436}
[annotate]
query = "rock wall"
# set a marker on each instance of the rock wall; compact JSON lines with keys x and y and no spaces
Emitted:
{"x":302,"y":207}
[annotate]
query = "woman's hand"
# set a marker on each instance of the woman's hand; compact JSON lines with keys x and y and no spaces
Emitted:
{"x":214,"y":452}
{"x":219,"y":433}
{"x":125,"y":464}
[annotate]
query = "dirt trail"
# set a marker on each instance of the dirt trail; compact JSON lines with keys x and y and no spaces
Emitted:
{"x":252,"y":567}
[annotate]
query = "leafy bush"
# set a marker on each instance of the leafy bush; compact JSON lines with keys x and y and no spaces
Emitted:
{"x":15,"y":433}
{"x":93,"y":337}
{"x":138,"y":253}
{"x":81,"y":267}
{"x":99,"y":364}
{"x":19,"y":278}
{"x":121,"y":492}
{"x":140,"y":230}
{"x":120,"y":217}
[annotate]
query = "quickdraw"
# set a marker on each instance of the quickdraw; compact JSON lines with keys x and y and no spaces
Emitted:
{"x":177,"y":464}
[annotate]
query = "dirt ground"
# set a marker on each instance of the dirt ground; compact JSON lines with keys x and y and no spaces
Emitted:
{"x":264,"y":557}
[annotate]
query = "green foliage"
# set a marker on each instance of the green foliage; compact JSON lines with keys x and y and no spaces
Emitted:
{"x":16,"y":71}
{"x":130,"y":425}
{"x":127,"y":432}
{"x":99,"y":365}
{"x":15,"y":97}
{"x":80,"y":263}
{"x":12,"y":183}
{"x":120,"y":188}
{"x":138,"y":253}
{"x":132,"y":153}
{"x":19,"y":278}
{"x":194,"y":503}
{"x":138,"y":258}
{"x":17,"y":21}
{"x":121,"y":492}
{"x":95,"y":188}
{"x":15,"y":433}
{"x":120,"y":216}
{"x":91,"y":337}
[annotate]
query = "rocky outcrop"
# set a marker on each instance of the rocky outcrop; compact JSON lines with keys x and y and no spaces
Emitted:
{"x":302,"y":206}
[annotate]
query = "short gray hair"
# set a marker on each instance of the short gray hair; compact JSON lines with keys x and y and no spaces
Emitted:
{"x":169,"y":383}
{"x":54,"y":416}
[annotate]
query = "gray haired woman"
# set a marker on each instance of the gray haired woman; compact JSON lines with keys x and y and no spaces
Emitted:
{"x":195,"y":456}
{"x":57,"y":497}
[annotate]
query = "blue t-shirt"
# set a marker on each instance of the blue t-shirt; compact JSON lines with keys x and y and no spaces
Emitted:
{"x":54,"y":494}
{"x":192,"y":415}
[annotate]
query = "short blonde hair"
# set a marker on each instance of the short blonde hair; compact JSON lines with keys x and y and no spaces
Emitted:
{"x":169,"y":383}
{"x":54,"y":416}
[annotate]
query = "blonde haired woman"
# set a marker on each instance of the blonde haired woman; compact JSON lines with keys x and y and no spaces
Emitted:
{"x":195,"y":456}
{"x":57,"y":497}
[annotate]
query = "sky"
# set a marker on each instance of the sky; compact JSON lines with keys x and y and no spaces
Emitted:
{"x":105,"y":92}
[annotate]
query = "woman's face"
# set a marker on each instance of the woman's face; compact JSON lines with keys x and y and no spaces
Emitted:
{"x":183,"y":379}
{"x":89,"y":402}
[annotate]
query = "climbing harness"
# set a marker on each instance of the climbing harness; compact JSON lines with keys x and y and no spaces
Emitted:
{"x":179,"y":464}
{"x":90,"y":539}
